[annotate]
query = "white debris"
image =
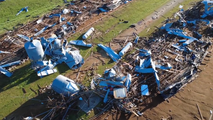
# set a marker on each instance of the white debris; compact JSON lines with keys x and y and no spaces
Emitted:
{"x":65,"y":11}
{"x":39,"y":21}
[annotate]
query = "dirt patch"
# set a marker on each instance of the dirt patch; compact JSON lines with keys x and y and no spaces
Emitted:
{"x":90,"y":66}
{"x":11,"y":42}
{"x":183,"y":105}
{"x":143,"y":24}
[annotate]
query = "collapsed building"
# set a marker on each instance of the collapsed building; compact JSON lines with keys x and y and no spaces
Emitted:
{"x":167,"y":61}
{"x":62,"y":23}
{"x":57,"y":50}
{"x":163,"y":63}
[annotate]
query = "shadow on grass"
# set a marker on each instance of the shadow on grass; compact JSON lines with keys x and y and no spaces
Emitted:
{"x":83,"y":50}
{"x":6,"y":29}
{"x":34,"y":107}
{"x":79,"y":114}
{"x":80,"y":37}
{"x":25,"y":75}
{"x":62,"y":68}
{"x":110,"y":62}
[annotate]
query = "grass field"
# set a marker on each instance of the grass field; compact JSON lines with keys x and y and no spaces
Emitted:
{"x":132,"y":12}
{"x":11,"y":95}
{"x":186,"y":4}
{"x":9,"y":9}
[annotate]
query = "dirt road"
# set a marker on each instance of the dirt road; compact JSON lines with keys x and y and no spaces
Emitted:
{"x":143,"y":24}
{"x":193,"y":102}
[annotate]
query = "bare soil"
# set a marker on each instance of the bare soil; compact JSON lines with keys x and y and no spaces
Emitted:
{"x":183,"y":105}
{"x":180,"y":107}
{"x":143,"y":24}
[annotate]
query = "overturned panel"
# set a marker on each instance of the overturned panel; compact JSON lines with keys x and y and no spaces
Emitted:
{"x":88,"y":101}
{"x":115,"y":57}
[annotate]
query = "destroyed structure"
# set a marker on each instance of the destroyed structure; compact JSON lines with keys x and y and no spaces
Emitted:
{"x":46,"y":37}
{"x":164,"y":63}
{"x":59,"y":52}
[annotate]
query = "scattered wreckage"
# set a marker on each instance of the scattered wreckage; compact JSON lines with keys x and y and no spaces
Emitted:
{"x":23,"y":9}
{"x":56,"y":49}
{"x":62,"y":23}
{"x":164,"y":63}
{"x":6,"y":72}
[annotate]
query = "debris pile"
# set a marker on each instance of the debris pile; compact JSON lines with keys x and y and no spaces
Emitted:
{"x":62,"y":23}
{"x":162,"y":64}
{"x":166,"y":62}
{"x":84,"y":37}
{"x":57,"y":49}
{"x":6,"y":72}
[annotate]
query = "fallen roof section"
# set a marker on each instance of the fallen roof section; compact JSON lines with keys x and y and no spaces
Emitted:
{"x":113,"y":55}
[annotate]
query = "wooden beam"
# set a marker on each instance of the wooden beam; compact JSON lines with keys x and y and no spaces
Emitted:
{"x":201,"y":116}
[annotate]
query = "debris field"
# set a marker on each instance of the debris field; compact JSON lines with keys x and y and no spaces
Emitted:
{"x":60,"y":24}
{"x":145,"y":66}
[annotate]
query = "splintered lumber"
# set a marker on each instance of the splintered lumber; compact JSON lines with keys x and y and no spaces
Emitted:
{"x":201,"y":116}
{"x":134,"y":113}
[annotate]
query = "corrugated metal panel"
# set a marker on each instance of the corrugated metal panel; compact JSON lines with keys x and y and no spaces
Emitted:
{"x":144,"y":90}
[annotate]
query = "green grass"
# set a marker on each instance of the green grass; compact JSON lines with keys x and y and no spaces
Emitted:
{"x":13,"y":87}
{"x":81,"y":115}
{"x":186,"y":4}
{"x":10,"y":8}
{"x":132,"y":12}
{"x":11,"y":95}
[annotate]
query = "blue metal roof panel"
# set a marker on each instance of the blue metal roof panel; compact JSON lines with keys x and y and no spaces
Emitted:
{"x":144,"y":90}
{"x":115,"y":57}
